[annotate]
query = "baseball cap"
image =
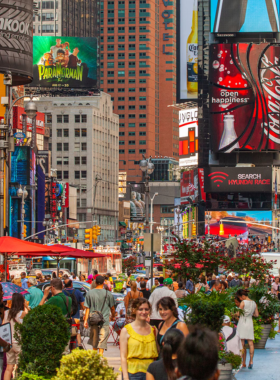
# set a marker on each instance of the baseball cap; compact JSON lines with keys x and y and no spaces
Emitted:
{"x":168,"y":281}
{"x":226,"y":319}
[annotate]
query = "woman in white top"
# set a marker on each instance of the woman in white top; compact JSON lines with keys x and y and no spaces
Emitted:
{"x":18,"y":311}
{"x":245,"y":327}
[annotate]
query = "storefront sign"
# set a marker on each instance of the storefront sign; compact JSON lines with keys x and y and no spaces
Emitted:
{"x":167,"y":16}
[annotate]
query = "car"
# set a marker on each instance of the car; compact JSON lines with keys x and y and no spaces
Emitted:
{"x":50,"y":271}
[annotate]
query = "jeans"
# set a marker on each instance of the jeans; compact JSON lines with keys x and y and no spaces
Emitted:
{"x":137,"y":376}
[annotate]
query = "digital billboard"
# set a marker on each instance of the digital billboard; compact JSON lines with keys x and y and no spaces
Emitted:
{"x":238,"y":179}
{"x":240,"y":223}
{"x":188,"y":137}
{"x":69,"y":62}
{"x":244,"y":16}
{"x":189,"y":186}
{"x":244,"y":97}
{"x":137,"y":202}
{"x":187,"y":50}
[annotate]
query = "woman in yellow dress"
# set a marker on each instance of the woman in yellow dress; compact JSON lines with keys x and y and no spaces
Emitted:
{"x":138,"y":343}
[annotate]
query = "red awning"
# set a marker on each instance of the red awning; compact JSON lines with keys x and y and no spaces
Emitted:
{"x":16,"y":246}
{"x":65,"y":251}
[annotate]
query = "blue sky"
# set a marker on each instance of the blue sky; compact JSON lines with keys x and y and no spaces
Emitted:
{"x":258,"y":215}
{"x":256,"y":19}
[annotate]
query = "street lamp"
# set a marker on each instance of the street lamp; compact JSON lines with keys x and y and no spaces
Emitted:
{"x":147,"y":167}
{"x":30,"y":109}
{"x":22,"y":193}
{"x":151,"y":214}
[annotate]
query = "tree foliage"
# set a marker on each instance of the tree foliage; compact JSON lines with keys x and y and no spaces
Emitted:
{"x":129,"y":263}
{"x":43,"y":336}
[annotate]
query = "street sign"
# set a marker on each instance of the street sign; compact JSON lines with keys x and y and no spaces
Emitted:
{"x":129,"y":234}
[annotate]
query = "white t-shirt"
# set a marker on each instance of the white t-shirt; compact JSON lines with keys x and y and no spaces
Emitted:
{"x":234,"y":345}
{"x":120,"y":307}
{"x":148,"y":286}
{"x":54,"y":50}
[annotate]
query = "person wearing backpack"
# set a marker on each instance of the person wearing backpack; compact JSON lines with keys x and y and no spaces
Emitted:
{"x":77,"y":305}
{"x":99,"y":303}
{"x":58,"y":297}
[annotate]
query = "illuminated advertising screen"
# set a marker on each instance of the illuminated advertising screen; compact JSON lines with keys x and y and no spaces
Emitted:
{"x":238,"y":179}
{"x":189,"y":186}
{"x":69,"y":62}
{"x":240,"y":223}
{"x":244,"y":16}
{"x":244,"y":97}
{"x":137,"y":202}
{"x":187,"y":50}
{"x":188,"y":137}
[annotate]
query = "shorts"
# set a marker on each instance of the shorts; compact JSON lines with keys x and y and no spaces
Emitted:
{"x":98,"y":337}
{"x":13,"y":354}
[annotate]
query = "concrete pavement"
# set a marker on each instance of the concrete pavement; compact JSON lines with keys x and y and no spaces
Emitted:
{"x":265,"y":363}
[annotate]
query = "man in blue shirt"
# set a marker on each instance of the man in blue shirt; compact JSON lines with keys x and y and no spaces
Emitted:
{"x":189,"y":286}
{"x":35,"y":295}
{"x":24,"y":284}
{"x":68,"y":290}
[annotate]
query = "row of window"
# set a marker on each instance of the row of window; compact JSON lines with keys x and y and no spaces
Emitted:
{"x":132,"y":151}
{"x":132,"y":89}
{"x":47,"y":4}
{"x":122,"y":47}
{"x":132,"y":98}
{"x":65,"y":118}
{"x":47,"y":28}
{"x":77,"y":147}
{"x":122,"y":56}
{"x":77,"y":132}
{"x":82,"y":203}
{"x":132,"y":37}
{"x":65,"y":160}
{"x":133,"y":116}
{"x":121,"y":29}
{"x":121,"y":20}
{"x":132,"y":133}
{"x":133,"y":125}
{"x":133,"y":142}
{"x":141,"y":107}
{"x":111,"y":65}
{"x":45,"y":17}
{"x":78,"y":174}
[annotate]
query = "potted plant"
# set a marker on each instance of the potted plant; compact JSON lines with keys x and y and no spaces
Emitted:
{"x":268,"y":306}
{"x":228,"y":361}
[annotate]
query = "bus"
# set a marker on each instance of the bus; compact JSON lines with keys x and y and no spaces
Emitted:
{"x":47,"y":262}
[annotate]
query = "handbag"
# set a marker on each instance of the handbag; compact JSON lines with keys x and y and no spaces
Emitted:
{"x":96,"y":317}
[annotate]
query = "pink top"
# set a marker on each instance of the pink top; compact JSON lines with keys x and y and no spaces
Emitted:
{"x":274,"y":288}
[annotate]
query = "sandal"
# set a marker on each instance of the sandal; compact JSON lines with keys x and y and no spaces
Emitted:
{"x":243,"y":365}
{"x":250,"y":366}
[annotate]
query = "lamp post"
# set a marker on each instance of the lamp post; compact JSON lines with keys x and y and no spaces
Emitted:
{"x":151,"y":214}
{"x":47,"y":223}
{"x":22,"y":193}
{"x":147,"y":168}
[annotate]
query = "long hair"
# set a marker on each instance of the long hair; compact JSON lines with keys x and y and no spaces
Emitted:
{"x":172,"y":340}
{"x":168,"y":303}
{"x":133,"y":286}
{"x":17,"y":306}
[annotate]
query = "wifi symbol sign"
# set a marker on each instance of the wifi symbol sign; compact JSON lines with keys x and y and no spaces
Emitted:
{"x":218,"y":177}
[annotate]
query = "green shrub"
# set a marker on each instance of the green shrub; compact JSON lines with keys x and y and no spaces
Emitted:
{"x":257,"y":330}
{"x":43,"y":337}
{"x":234,"y":360}
{"x":30,"y":376}
{"x":84,"y":365}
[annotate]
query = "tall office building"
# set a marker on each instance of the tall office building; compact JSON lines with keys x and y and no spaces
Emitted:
{"x":84,"y":145}
{"x":138,"y":69}
{"x":74,"y":18}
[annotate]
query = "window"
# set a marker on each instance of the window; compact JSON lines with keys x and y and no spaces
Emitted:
{"x":131,"y":142}
{"x":110,"y":39}
{"x":121,"y":99}
{"x":142,"y":116}
{"x":131,"y":98}
{"x":131,"y":74}
{"x":131,"y":89}
{"x":111,"y":56}
{"x":131,"y":38}
{"x":142,"y":107}
{"x":59,"y":132}
{"x":66,"y":132}
{"x":84,"y":202}
{"x":142,"y":80}
{"x":121,"y":151}
{"x":131,"y":47}
{"x":110,"y":73}
{"x":77,"y":174}
{"x":142,"y":124}
{"x":121,"y":133}
{"x":59,"y":147}
{"x":120,"y":107}
{"x":121,"y":38}
{"x":110,"y":65}
{"x":66,"y":147}
{"x":65,"y":160}
{"x":142,"y":133}
{"x":78,"y":203}
{"x":48,"y":118}
{"x":83,"y":174}
{"x":142,"y":89}
{"x":110,"y":81}
{"x":84,"y":160}
{"x":121,"y":56}
{"x":84,"y":118}
{"x":59,"y":161}
{"x":121,"y":125}
{"x":121,"y":29}
{"x":131,"y":133}
{"x":142,"y":98}
{"x":59,"y":174}
{"x":141,"y":55}
{"x":121,"y":116}
{"x":65,"y":174}
{"x":142,"y":142}
{"x":120,"y":89}
{"x":131,"y":107}
{"x":121,"y":73}
{"x":110,"y":29}
{"x":77,"y":160}
{"x":76,"y":147}
{"x":121,"y":64}
{"x":59,"y":118}
{"x":84,"y":132}
{"x":131,"y":64}
{"x":77,"y":132}
{"x":131,"y":125}
{"x":77,"y":118}
{"x":131,"y":151}
{"x":84,"y":146}
{"x":121,"y":142}
{"x":120,"y":81}
{"x":131,"y":29}
{"x":166,"y":209}
{"x":131,"y":55}
{"x":131,"y":81}
{"x":142,"y":151}
{"x":131,"y":116}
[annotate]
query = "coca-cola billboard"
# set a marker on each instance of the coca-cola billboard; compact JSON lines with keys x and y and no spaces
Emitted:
{"x":245,"y":96}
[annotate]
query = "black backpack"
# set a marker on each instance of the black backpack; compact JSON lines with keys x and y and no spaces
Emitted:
{"x":75,"y":306}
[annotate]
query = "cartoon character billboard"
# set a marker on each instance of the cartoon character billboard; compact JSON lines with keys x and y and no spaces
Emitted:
{"x":69,"y":62}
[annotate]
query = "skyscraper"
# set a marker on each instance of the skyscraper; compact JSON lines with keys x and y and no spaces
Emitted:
{"x":138,"y":69}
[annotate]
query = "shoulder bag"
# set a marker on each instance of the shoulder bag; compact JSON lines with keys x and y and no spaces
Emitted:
{"x":96,"y":317}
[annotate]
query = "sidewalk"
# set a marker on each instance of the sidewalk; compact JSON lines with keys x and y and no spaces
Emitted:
{"x":266,"y":364}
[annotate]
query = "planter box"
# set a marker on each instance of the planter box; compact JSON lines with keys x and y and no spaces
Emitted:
{"x":265,"y":333}
{"x":225,"y":371}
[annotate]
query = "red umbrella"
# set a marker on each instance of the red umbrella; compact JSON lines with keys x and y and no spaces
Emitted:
{"x":65,"y":251}
{"x":13,"y":245}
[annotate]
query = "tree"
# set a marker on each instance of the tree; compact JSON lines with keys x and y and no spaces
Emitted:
{"x":129,"y":263}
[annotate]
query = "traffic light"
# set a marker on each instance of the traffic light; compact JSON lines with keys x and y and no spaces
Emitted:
{"x":193,"y":229}
{"x":24,"y":231}
{"x":88,"y":237}
{"x":98,"y":230}
{"x":94,"y":234}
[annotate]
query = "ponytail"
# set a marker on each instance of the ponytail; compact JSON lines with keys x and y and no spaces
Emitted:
{"x":172,"y":341}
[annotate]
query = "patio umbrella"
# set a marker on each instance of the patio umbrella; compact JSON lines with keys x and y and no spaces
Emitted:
{"x":65,"y":251}
{"x":9,"y":289}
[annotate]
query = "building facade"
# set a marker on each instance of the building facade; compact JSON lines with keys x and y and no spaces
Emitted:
{"x":84,"y":145}
{"x":138,"y":69}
